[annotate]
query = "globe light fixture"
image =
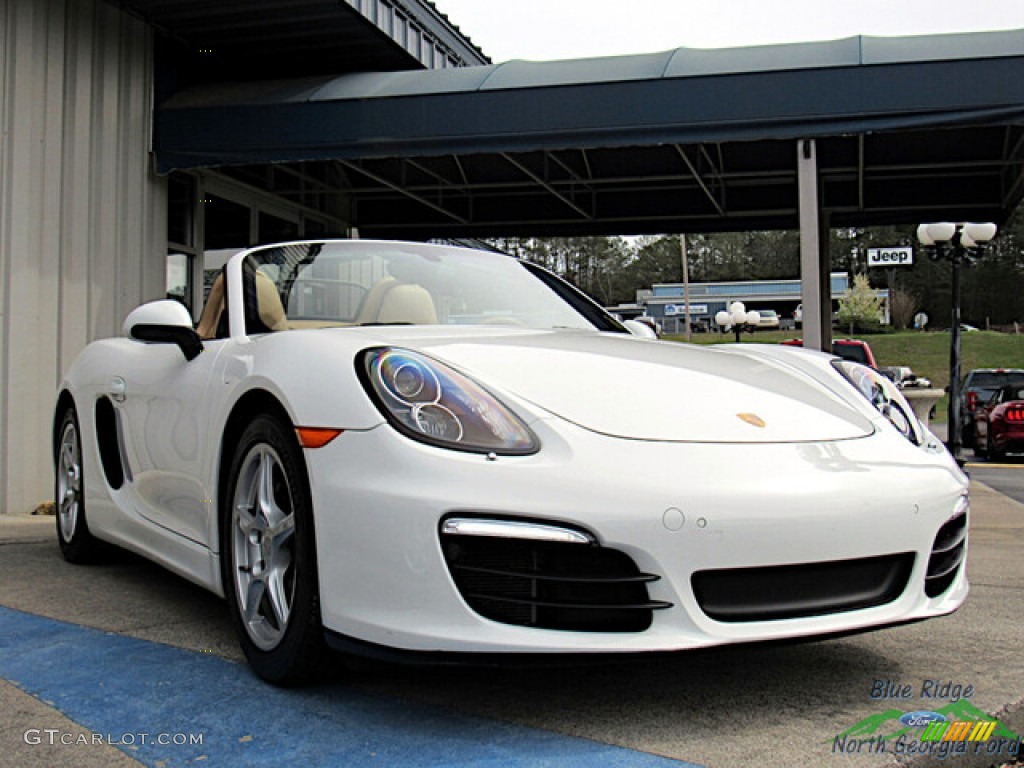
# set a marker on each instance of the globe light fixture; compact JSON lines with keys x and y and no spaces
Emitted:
{"x":956,"y":242}
{"x":737,"y":318}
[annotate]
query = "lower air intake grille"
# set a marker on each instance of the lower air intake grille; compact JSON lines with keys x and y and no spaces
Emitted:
{"x":794,"y":591}
{"x":550,"y":585}
{"x":948,"y":553}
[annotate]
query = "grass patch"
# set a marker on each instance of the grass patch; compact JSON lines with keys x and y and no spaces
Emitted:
{"x":927,"y":353}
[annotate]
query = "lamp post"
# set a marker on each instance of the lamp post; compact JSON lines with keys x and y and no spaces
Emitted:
{"x":955,"y":242}
{"x":737,"y":318}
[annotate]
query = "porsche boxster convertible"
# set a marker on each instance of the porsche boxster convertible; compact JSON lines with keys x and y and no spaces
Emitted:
{"x":426,"y":452}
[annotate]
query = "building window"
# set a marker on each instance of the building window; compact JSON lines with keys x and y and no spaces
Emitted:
{"x":179,"y":283}
{"x":181,"y":205}
{"x":179,"y":278}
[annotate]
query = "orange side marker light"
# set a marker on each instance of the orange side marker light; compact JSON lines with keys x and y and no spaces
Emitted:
{"x":316,"y":437}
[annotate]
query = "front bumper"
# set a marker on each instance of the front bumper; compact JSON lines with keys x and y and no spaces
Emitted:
{"x":674,"y":509}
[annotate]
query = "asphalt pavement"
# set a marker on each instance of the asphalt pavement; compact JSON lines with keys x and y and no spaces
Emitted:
{"x":992,"y":473}
{"x":100,"y":664}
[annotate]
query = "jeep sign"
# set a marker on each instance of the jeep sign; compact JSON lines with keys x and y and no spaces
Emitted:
{"x":890,"y":257}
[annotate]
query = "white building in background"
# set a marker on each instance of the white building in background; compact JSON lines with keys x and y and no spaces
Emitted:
{"x":665,"y":302}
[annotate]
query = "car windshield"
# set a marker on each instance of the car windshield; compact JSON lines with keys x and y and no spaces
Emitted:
{"x":1008,"y":394}
{"x":361,"y":282}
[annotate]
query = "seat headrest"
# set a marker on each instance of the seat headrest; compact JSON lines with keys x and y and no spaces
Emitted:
{"x":268,"y":304}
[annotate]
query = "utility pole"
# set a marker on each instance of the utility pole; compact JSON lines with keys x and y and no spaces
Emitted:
{"x":686,"y":286}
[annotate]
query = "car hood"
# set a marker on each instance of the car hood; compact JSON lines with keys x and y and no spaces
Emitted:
{"x":626,"y":387}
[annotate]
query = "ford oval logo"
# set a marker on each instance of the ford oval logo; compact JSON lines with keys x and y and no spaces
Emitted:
{"x":921,"y":718}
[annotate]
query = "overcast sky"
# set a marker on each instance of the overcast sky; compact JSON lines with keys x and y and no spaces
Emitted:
{"x":565,"y":29}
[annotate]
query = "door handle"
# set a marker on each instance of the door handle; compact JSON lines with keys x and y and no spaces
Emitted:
{"x":117,"y":389}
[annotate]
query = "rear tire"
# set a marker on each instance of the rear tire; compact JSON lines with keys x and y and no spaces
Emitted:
{"x":77,"y":544}
{"x":967,"y":437}
{"x":979,"y":451}
{"x":268,"y":555}
{"x":992,"y":452}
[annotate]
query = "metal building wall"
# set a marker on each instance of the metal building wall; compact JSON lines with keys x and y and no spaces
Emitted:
{"x":422,"y":31}
{"x":82,"y":215}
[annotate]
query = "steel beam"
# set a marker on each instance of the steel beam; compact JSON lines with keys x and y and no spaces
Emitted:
{"x":814,"y":266}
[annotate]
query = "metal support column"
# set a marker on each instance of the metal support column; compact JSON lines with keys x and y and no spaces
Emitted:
{"x":825,"y":276}
{"x":815,"y":285}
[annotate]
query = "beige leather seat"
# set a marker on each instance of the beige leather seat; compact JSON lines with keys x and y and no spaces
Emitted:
{"x":210,"y":319}
{"x":268,"y":305}
{"x":391,"y":301}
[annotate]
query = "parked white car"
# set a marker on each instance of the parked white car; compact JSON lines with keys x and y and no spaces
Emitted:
{"x":415,"y":449}
{"x":768,"y":320}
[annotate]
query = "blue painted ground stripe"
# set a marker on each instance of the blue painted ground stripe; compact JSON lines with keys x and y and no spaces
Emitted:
{"x":120,"y":686}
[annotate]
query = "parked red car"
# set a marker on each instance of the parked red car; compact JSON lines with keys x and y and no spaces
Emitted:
{"x":980,"y":385}
{"x":849,"y":349}
{"x":999,"y":423}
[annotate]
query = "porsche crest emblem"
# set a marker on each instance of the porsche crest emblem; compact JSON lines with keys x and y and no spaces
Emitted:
{"x":752,"y":419}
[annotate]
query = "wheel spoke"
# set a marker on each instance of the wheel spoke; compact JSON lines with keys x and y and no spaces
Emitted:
{"x":68,"y":464}
{"x":282,"y":531}
{"x":253,"y":599}
{"x":247,"y":521}
{"x":68,"y":457}
{"x":69,"y":482}
{"x":267,"y":504}
{"x":278,"y":594}
{"x":68,"y":517}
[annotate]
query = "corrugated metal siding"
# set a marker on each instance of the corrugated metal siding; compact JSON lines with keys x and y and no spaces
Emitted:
{"x":82,"y":215}
{"x":425,"y":33}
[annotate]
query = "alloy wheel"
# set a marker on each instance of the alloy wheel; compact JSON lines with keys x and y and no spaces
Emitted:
{"x":263,"y":538}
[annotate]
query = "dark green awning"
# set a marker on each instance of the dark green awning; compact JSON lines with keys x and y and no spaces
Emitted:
{"x":897,"y":116}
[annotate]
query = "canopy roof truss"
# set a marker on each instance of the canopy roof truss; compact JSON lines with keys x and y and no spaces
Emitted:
{"x":976,"y":174}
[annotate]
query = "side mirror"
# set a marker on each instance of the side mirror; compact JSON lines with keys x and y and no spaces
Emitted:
{"x":164,"y":322}
{"x":641,"y":330}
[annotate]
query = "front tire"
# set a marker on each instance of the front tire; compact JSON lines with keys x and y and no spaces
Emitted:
{"x":268,"y":555}
{"x":77,"y":544}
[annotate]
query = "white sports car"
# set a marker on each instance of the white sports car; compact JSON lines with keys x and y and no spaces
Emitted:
{"x":420,"y":449}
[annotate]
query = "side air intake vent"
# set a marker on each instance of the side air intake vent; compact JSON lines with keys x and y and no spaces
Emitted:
{"x":948,"y":554}
{"x":531,"y":576}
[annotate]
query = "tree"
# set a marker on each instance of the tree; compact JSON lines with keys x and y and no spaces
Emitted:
{"x":902,"y":307}
{"x":595,"y":265}
{"x":860,"y":307}
{"x":657,"y":260}
{"x":612,"y":269}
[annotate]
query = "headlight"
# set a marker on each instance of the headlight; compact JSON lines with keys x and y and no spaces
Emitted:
{"x":884,"y":396}
{"x":430,"y":402}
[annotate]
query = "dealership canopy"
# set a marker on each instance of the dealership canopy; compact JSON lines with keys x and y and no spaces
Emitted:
{"x":906,"y":129}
